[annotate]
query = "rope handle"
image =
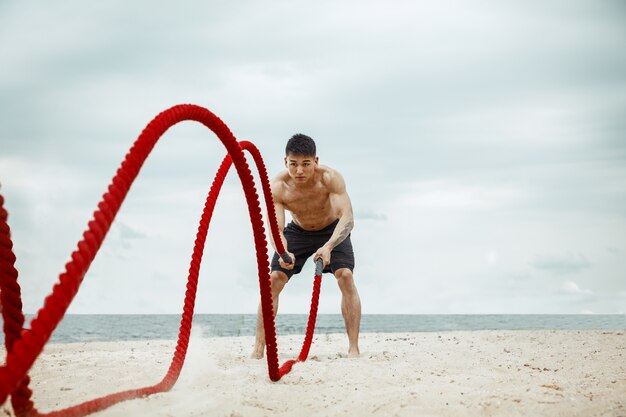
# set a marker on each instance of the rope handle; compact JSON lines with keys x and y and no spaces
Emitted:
{"x":319,"y":266}
{"x":319,"y":262}
{"x":286,"y":258}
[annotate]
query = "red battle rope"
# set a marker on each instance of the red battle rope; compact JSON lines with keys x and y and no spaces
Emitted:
{"x":23,"y":346}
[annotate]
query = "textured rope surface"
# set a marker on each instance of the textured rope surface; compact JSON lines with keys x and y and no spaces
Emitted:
{"x":24,"y":346}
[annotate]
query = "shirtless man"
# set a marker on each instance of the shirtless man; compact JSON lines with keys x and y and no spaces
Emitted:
{"x":322,"y":220}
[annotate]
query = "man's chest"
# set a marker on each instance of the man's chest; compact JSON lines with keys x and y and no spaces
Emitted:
{"x":313,"y":201}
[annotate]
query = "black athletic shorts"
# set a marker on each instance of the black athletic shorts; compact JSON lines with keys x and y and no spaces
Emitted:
{"x":304,"y":243}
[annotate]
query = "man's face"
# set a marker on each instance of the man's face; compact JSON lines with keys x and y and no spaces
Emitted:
{"x":301,"y":168}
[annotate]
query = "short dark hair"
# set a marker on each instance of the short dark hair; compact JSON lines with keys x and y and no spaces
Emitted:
{"x":300,"y":144}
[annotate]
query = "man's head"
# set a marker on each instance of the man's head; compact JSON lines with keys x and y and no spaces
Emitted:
{"x":300,"y":158}
{"x":300,"y":145}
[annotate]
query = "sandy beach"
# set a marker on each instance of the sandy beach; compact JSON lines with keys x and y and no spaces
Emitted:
{"x":475,"y":373}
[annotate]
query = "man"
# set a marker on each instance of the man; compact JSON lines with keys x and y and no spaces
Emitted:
{"x":316,"y":197}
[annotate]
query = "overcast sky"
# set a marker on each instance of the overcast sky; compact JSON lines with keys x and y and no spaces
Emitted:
{"x":483,"y":145}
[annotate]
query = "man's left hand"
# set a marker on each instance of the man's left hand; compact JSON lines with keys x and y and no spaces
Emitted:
{"x":324,"y":253}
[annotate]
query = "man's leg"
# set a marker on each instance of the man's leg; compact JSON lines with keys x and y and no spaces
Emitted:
{"x":278,"y":280}
{"x":350,"y":309}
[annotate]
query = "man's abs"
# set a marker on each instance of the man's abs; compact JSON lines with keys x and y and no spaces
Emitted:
{"x":312,"y":223}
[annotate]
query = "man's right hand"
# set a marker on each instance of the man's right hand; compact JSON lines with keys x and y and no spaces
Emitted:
{"x":285,"y":265}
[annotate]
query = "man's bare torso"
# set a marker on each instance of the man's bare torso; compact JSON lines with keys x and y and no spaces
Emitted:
{"x":310,"y":204}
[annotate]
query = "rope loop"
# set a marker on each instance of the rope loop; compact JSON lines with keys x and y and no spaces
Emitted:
{"x":23,"y":347}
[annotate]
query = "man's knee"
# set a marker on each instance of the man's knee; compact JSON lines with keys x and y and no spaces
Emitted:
{"x":278,"y":279}
{"x":345,"y":279}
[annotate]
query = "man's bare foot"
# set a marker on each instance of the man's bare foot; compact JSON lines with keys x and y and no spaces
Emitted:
{"x":258,"y":353}
{"x":354,"y":352}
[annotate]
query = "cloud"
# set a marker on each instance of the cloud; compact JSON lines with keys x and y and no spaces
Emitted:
{"x":444,"y":194}
{"x":566,"y":264}
{"x":127,"y":232}
{"x":570,"y":287}
{"x":492,"y":257}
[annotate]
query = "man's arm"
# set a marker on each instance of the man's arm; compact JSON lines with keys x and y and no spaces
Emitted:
{"x":340,"y":200}
{"x":280,"y":221}
{"x":279,"y":209}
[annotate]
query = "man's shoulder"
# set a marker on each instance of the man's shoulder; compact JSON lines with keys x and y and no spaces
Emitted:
{"x":330,"y":176}
{"x":279,"y":182}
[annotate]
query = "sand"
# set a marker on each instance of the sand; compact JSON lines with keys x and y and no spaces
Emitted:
{"x":477,"y":373}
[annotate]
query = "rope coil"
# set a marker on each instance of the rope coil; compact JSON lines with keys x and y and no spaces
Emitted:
{"x":24,"y":346}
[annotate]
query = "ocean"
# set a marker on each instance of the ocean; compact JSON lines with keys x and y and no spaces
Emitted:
{"x":94,"y":327}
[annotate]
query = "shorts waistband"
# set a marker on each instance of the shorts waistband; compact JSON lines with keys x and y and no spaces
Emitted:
{"x":328,"y":228}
